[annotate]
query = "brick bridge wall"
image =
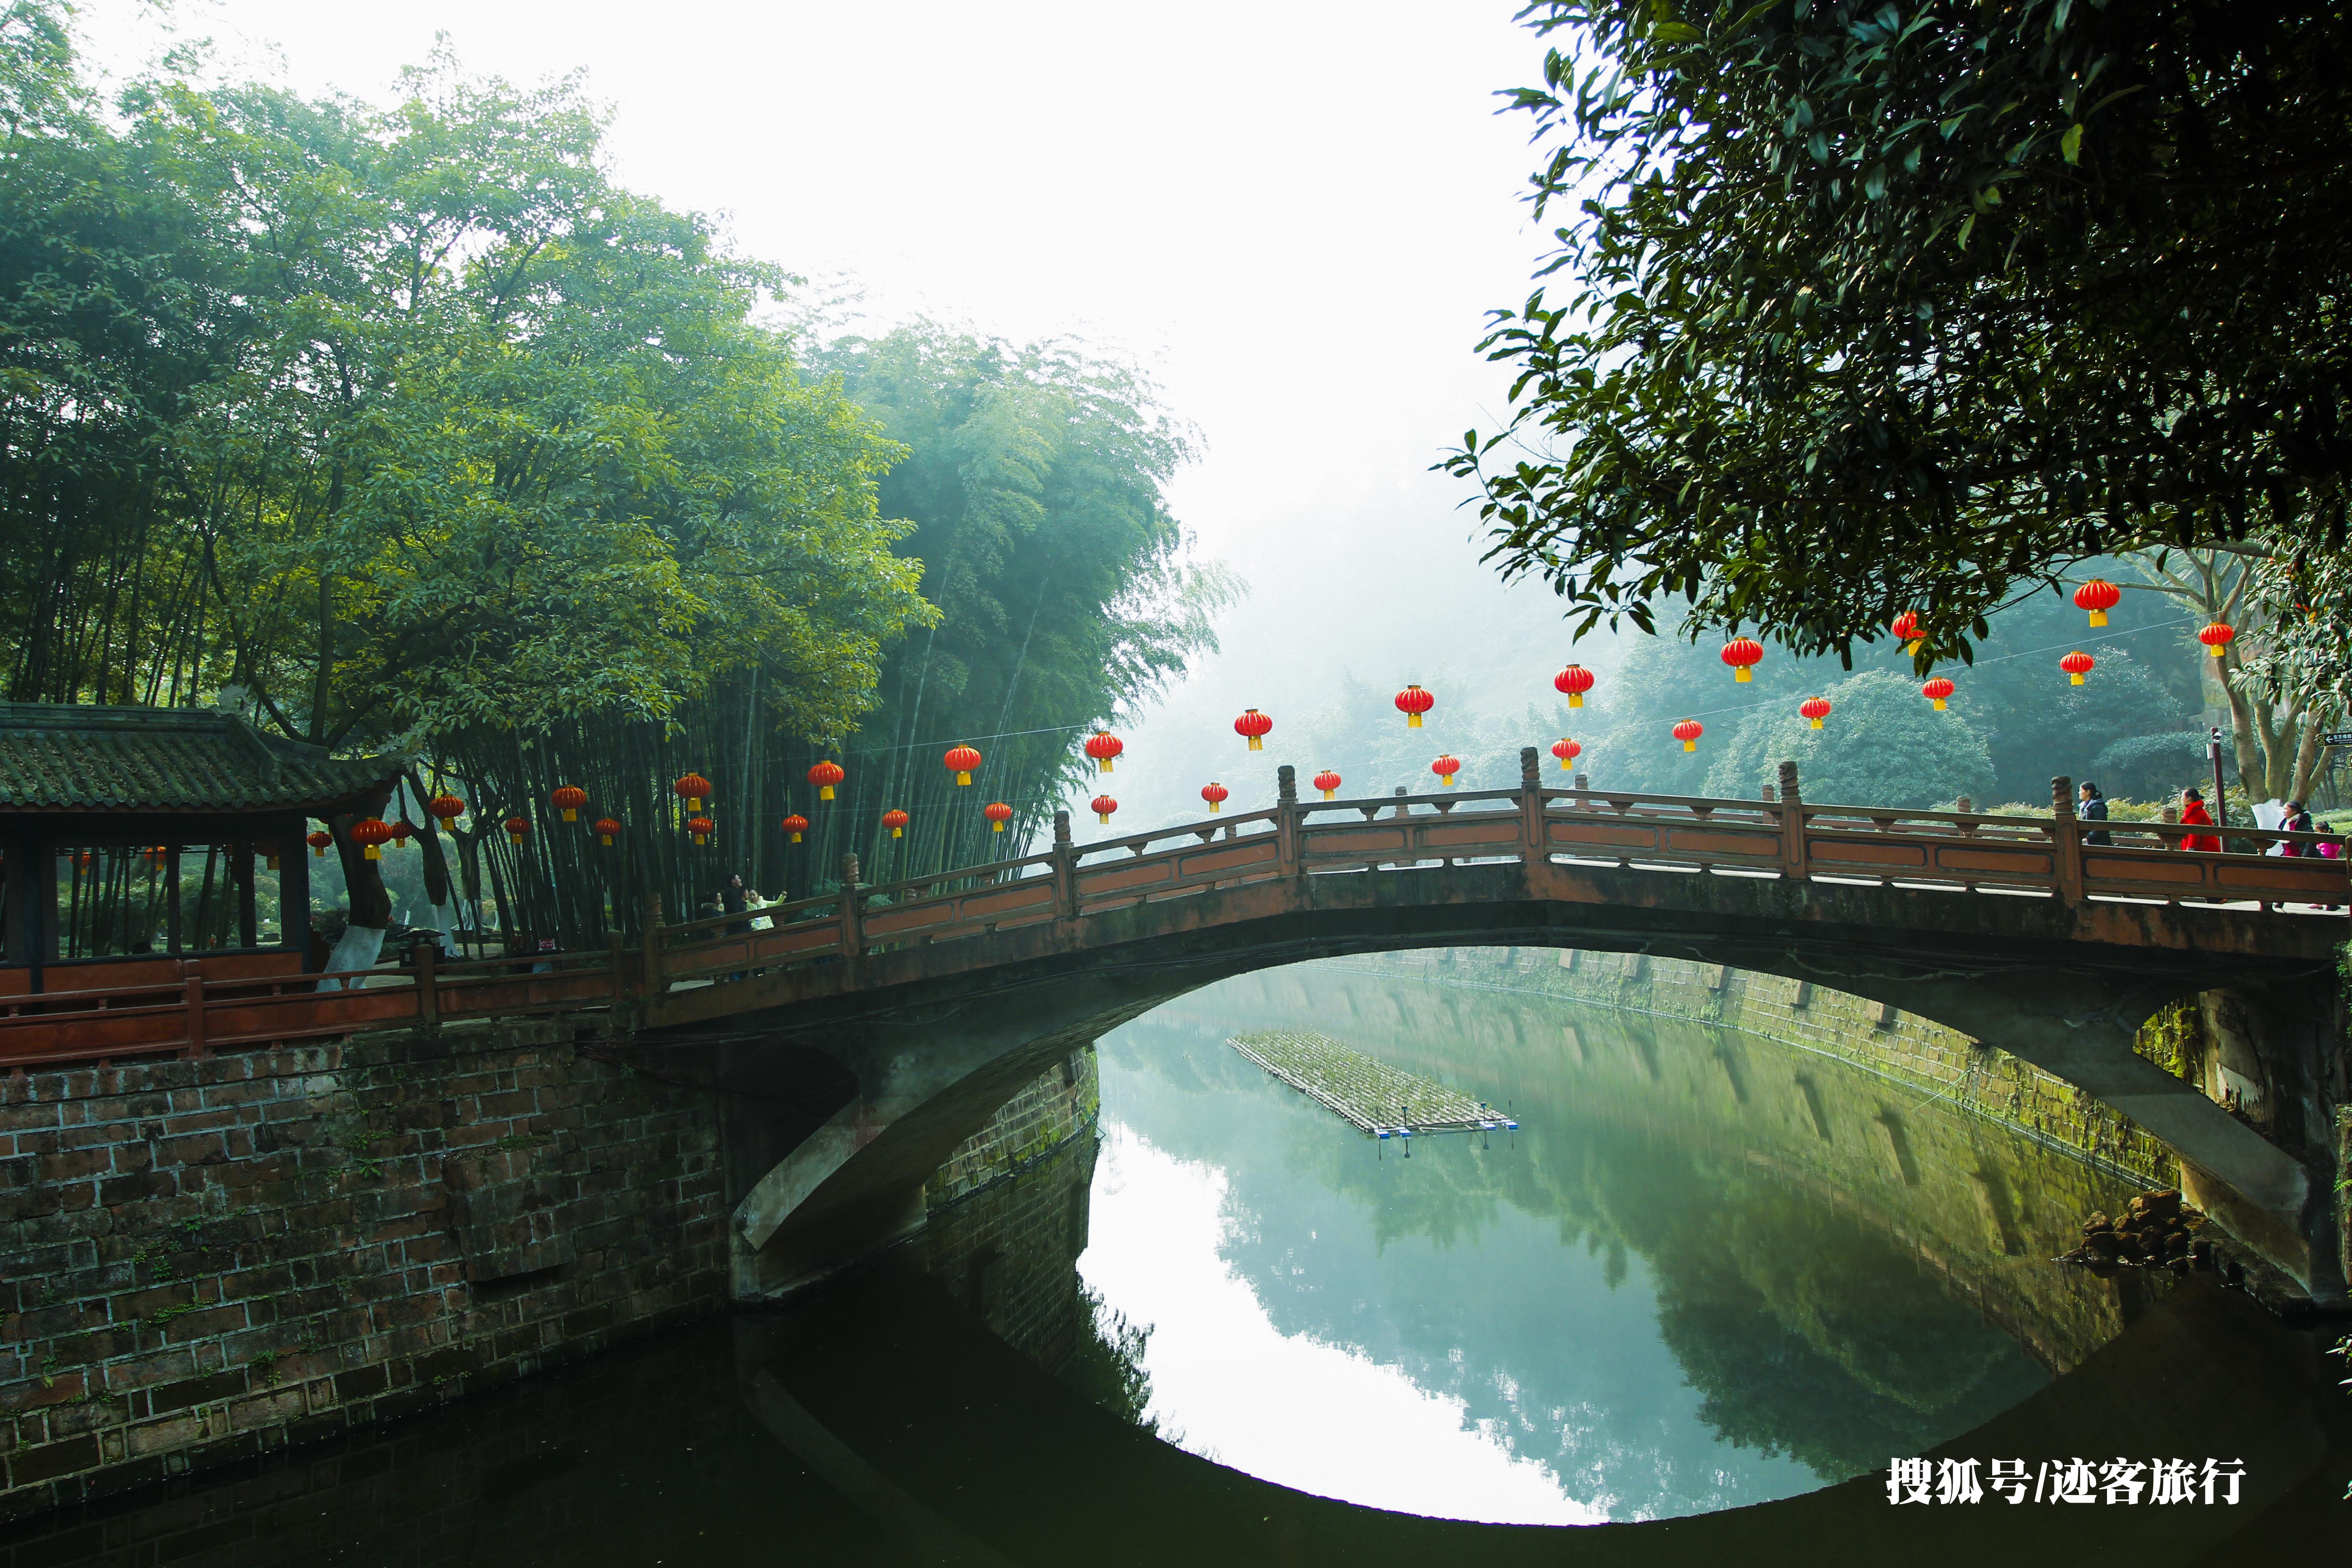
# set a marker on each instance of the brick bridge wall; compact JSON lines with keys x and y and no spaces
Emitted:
{"x":204,"y":1259}
{"x":1007,"y":1214}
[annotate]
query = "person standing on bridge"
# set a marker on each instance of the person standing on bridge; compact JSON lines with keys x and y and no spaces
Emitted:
{"x":2194,"y":814}
{"x":734,"y":897}
{"x":2093,"y":808}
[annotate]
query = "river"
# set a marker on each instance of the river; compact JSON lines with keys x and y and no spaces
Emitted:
{"x":1711,"y":1282}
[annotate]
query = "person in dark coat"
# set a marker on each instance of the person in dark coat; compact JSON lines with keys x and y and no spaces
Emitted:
{"x":2296,"y":820}
{"x":2093,"y":808}
{"x":734,"y":899}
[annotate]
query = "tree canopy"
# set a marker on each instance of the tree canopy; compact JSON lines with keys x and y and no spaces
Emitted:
{"x":1868,"y":308}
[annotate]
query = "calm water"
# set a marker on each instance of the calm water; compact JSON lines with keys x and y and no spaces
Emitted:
{"x":1708,"y":1274}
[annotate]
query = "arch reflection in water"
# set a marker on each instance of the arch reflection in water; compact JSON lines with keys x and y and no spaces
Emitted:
{"x":1710,"y":1270}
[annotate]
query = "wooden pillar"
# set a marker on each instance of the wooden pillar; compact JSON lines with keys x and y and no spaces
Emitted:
{"x":1286,"y":822}
{"x":1531,"y":806}
{"x":240,"y":871}
{"x":853,"y":921}
{"x":1792,"y":826}
{"x":171,"y":899}
{"x":294,"y":889}
{"x":2068,"y":840}
{"x":1066,"y":870}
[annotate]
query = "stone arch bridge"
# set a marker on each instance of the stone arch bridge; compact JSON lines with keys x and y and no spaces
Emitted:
{"x":862,"y":1036}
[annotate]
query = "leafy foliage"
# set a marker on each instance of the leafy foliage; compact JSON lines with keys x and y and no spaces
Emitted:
{"x":1876,"y":306}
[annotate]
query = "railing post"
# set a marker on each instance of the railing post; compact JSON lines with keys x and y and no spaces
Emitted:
{"x":1531,"y":807}
{"x":653,"y":979}
{"x":1286,"y":822}
{"x":1792,"y":826}
{"x":1066,"y":870}
{"x":2065,"y":830}
{"x":425,"y":953}
{"x":852,"y":918}
{"x":195,"y":990}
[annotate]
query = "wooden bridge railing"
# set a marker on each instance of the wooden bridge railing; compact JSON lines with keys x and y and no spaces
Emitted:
{"x":1932,"y":851}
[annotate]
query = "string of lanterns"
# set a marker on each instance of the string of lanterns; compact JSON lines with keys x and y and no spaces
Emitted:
{"x":1741,"y":654}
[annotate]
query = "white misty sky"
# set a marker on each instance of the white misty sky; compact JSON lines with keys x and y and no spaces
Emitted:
{"x":1293,"y":218}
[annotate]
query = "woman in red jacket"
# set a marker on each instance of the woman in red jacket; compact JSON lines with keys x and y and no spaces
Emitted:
{"x":2193,"y":815}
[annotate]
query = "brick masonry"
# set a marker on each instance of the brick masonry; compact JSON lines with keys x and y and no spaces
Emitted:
{"x":1007,"y":1214}
{"x":207,"y":1259}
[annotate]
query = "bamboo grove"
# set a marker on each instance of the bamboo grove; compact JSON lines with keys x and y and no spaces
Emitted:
{"x":408,"y":430}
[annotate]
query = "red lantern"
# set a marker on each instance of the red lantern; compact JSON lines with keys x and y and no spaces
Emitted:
{"x":825,"y":776}
{"x":1688,"y":731}
{"x":961,"y":761}
{"x":896,"y":821}
{"x":1214,"y":794}
{"x":1815,"y":709}
{"x":1103,"y":746}
{"x":1328,"y":782}
{"x":795,"y":825}
{"x":702,"y":827}
{"x":1566,"y":751}
{"x":318,"y":843}
{"x":568,"y":799}
{"x":691,"y":790}
{"x":2216,"y":638}
{"x":1253,"y":724}
{"x":607,"y":828}
{"x":998,"y":814}
{"x":1936,"y":690}
{"x":402,"y":832}
{"x":369,"y":834}
{"x":157,"y":856}
{"x":1741,"y":654}
{"x":2098,"y":595}
{"x":1906,"y":627}
{"x":1446,"y":767}
{"x":2077,"y":665}
{"x":1574,"y":681}
{"x":449,"y":808}
{"x":1412,"y":702}
{"x":1104,"y":806}
{"x":516,"y":827}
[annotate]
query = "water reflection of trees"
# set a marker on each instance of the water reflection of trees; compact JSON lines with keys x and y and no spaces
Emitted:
{"x":1108,"y":1364}
{"x":1801,"y":1306}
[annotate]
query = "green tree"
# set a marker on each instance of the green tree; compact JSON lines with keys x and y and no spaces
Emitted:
{"x":1873,"y":309}
{"x":1882,"y":744}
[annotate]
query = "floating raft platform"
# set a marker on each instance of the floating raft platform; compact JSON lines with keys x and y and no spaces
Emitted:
{"x":1376,"y":1098}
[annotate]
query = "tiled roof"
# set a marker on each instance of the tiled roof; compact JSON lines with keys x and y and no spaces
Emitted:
{"x":56,"y":757}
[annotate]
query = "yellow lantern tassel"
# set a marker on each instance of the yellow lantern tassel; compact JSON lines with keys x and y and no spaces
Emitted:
{"x":1103,"y":816}
{"x":1690,"y":745}
{"x":894,"y":833}
{"x":824,"y":791}
{"x":1102,"y":764}
{"x":273,"y":862}
{"x":1939,"y":705}
{"x":1817,"y":723}
{"x":992,"y":827}
{"x":1330,"y":795}
{"x":963,"y":778}
{"x":2098,"y":617}
{"x":2218,"y":648}
{"x":570,"y":815}
{"x":1914,"y":646}
{"x":1449,"y":781}
{"x":1576,"y":700}
{"x":1213,"y":808}
{"x":373,"y":853}
{"x":693,"y":802}
{"x":2076,"y":678}
{"x":1742,"y":675}
{"x":1257,"y":742}
{"x":608,"y":839}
